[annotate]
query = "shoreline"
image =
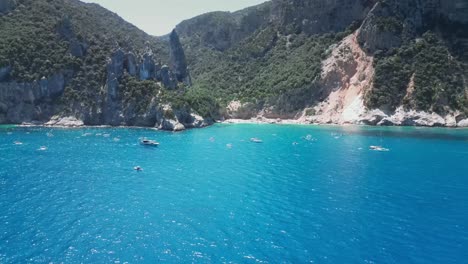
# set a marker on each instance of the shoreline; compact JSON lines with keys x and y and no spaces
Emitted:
{"x":266,"y":121}
{"x":253,"y":121}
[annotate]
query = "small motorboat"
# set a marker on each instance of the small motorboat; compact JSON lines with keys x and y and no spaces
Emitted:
{"x":137,"y":168}
{"x":256,"y":140}
{"x":42,"y":148}
{"x":149,"y":142}
{"x":18,"y":143}
{"x":378,"y":148}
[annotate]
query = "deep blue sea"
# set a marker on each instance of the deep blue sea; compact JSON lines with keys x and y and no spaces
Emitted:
{"x":212,"y":196}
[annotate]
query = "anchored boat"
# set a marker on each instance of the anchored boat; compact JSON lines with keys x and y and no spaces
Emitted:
{"x":149,"y":142}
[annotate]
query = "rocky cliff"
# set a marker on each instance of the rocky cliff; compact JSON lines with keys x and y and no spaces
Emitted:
{"x":378,"y":62}
{"x":82,"y":62}
{"x":362,"y":62}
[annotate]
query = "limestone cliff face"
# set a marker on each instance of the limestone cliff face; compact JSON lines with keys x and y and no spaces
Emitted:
{"x":115,"y":111}
{"x":97,"y":68}
{"x":125,"y":69}
{"x":381,"y":29}
{"x":177,"y":57}
{"x":389,"y":22}
{"x":20,"y":102}
{"x":223,"y":30}
{"x":318,"y":16}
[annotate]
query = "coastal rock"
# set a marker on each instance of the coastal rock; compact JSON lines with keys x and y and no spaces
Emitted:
{"x":171,"y":125}
{"x":238,"y":110}
{"x":69,"y":121}
{"x":450,"y":121}
{"x":401,"y":117}
{"x":463,"y":123}
{"x":25,"y":102}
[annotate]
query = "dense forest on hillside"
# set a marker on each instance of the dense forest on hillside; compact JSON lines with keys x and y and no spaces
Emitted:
{"x":269,"y":56}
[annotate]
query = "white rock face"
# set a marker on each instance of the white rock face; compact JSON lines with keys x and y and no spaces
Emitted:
{"x":413,"y":118}
{"x":171,"y":125}
{"x":346,"y":75}
{"x":463,"y":123}
{"x":69,"y":121}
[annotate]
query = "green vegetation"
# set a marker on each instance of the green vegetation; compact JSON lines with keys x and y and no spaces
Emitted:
{"x":265,"y":68}
{"x":437,"y":77}
{"x":241,"y":56}
{"x":33,"y":45}
{"x":138,"y":93}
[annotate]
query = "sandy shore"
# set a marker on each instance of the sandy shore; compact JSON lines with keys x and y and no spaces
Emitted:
{"x":266,"y":121}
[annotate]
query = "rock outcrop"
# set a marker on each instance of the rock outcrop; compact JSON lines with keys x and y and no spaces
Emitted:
{"x":69,"y":121}
{"x":167,"y":78}
{"x":115,"y":71}
{"x":148,"y":67}
{"x":381,"y":30}
{"x":178,"y":61}
{"x":20,"y":102}
{"x":180,"y":120}
{"x":130,"y":64}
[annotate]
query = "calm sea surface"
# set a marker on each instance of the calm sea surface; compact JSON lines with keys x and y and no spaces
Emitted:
{"x":211,"y":195}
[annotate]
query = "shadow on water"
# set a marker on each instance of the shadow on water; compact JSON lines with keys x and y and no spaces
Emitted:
{"x":408,"y":132}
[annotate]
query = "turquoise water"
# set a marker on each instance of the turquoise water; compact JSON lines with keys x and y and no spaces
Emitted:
{"x":197,"y":200}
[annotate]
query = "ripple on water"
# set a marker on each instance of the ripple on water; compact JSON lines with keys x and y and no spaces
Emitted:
{"x":198,"y":200}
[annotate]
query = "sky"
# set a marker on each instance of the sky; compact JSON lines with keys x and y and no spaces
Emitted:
{"x":159,"y":17}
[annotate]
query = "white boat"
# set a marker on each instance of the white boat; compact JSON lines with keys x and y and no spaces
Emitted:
{"x":378,"y":148}
{"x":43,"y":148}
{"x":256,"y":140}
{"x":149,"y":142}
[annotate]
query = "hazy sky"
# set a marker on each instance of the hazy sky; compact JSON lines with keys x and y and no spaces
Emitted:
{"x":159,"y":17}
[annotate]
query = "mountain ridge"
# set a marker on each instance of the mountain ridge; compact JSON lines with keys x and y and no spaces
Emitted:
{"x":346,"y":62}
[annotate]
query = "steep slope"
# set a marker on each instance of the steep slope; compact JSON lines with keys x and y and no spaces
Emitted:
{"x":378,"y":62}
{"x":269,"y":55}
{"x":68,"y":58}
{"x":398,"y":61}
